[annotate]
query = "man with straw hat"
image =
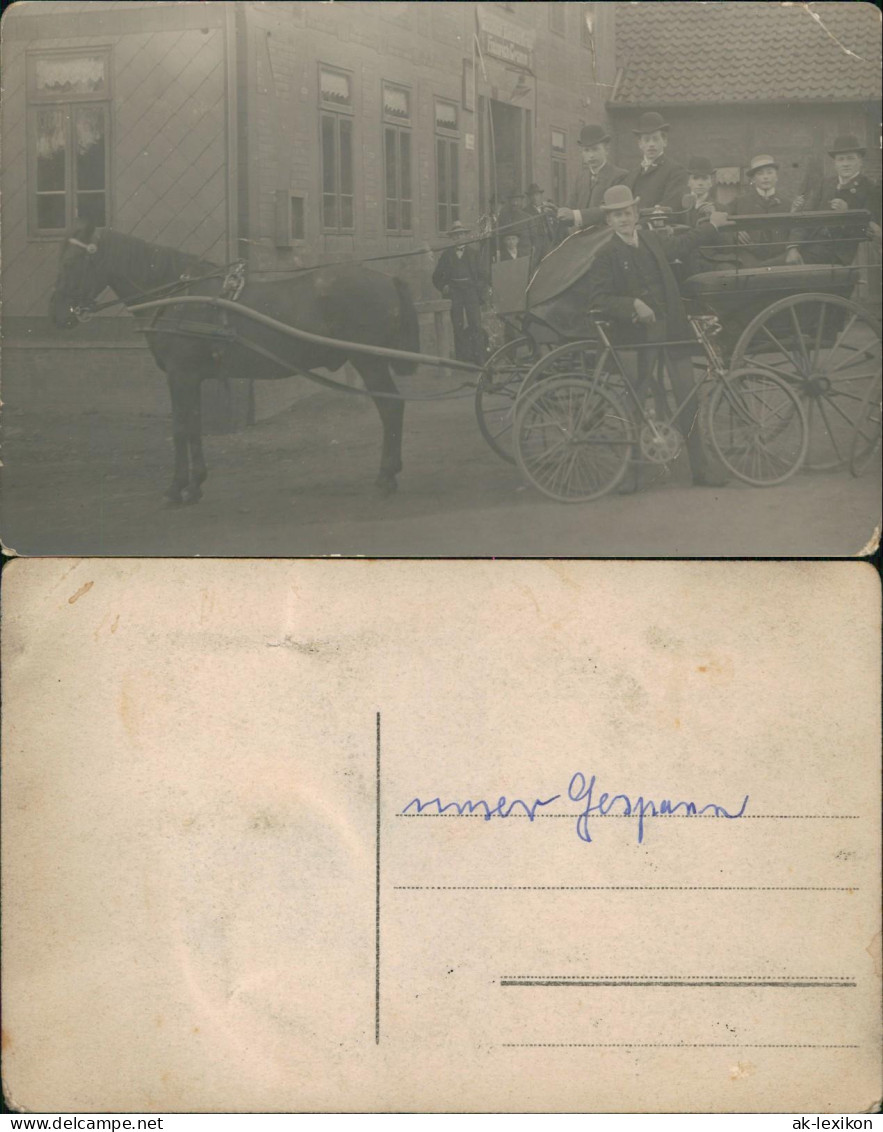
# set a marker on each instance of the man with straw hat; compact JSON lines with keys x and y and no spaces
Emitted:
{"x":631,"y":282}
{"x":846,"y":188}
{"x":764,"y":245}
{"x":460,"y":277}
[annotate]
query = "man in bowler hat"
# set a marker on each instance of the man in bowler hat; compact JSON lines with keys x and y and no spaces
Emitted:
{"x":658,"y":180}
{"x":846,"y":188}
{"x":764,"y":245}
{"x":631,"y":282}
{"x":460,"y":277}
{"x":597,"y":174}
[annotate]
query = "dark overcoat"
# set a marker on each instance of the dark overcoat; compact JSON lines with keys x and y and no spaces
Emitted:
{"x":751,"y":203}
{"x":664,"y":183}
{"x":860,"y":192}
{"x":614,"y":282}
{"x":588,"y":193}
{"x":450,"y":270}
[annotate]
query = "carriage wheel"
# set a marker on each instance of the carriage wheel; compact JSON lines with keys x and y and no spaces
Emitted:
{"x":568,"y":360}
{"x":866,"y":442}
{"x":828,"y":349}
{"x":572,"y":439}
{"x":497,"y":389}
{"x":757,"y":427}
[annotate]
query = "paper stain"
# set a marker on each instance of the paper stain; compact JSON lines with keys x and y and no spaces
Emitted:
{"x":741,"y":1070}
{"x":561,"y":572}
{"x":5,"y":1040}
{"x":116,"y":622}
{"x":84,"y":589}
{"x":873,"y":949}
{"x":718,"y":669}
{"x":529,"y":592}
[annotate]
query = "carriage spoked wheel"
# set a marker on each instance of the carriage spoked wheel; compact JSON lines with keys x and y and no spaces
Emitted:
{"x":497,"y":390}
{"x":572,"y":358}
{"x":572,"y":438}
{"x":757,"y":426}
{"x":828,"y":349}
{"x":867,"y":439}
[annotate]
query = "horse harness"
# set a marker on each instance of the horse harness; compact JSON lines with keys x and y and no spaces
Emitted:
{"x":220,"y":332}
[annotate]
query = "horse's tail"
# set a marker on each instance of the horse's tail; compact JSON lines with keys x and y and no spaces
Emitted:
{"x":409,"y":331}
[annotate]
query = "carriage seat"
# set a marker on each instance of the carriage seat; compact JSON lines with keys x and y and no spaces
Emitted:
{"x":779,"y":279}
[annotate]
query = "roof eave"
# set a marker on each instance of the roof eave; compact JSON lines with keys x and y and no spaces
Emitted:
{"x":650,"y":104}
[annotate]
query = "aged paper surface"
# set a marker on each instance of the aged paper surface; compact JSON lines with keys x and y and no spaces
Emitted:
{"x":236,"y":876}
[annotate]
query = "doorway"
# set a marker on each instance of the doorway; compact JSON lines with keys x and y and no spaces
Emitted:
{"x":508,"y":148}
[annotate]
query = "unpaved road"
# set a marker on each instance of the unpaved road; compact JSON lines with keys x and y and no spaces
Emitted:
{"x":301,"y":484}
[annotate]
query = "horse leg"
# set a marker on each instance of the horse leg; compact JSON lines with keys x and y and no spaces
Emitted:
{"x":377,"y":378}
{"x":198,"y":471}
{"x":185,"y":388}
{"x":177,"y":383}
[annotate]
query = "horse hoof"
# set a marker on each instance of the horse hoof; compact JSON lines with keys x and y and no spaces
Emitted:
{"x":190,"y":495}
{"x":385,"y":486}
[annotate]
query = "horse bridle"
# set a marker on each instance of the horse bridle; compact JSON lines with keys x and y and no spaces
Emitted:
{"x":85,"y":312}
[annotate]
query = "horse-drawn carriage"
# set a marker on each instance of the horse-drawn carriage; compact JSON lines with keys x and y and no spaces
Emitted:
{"x":791,"y":367}
{"x":797,"y":373}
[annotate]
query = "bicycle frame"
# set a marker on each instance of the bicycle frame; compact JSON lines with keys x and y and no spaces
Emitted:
{"x":704,"y":327}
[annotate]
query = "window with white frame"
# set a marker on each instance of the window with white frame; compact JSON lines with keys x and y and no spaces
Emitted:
{"x":447,"y":164}
{"x":68,"y":144}
{"x":397,"y":157}
{"x":336,"y":128}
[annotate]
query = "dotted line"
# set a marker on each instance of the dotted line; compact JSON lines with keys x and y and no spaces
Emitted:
{"x":802,"y":978}
{"x":692,"y":817}
{"x":616,"y":888}
{"x":787,"y":984}
{"x":666,"y":1045}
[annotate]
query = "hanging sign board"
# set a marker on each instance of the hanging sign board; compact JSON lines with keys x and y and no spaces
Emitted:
{"x":504,"y":39}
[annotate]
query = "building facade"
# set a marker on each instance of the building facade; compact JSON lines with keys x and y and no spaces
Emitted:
{"x":285,"y":133}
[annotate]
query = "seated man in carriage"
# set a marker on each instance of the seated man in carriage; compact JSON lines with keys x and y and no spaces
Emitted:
{"x":847,"y":188}
{"x":764,"y":246}
{"x":632,"y":284}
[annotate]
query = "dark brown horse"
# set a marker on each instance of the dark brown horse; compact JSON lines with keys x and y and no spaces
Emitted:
{"x":346,"y":302}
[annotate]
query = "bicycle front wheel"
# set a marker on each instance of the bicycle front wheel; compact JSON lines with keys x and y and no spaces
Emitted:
{"x":572,"y":439}
{"x":757,"y":427}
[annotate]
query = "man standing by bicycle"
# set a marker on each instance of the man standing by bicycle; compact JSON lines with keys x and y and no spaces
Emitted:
{"x":632,"y":284}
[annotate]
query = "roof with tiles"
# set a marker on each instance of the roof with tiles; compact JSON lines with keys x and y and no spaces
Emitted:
{"x":726,"y":52}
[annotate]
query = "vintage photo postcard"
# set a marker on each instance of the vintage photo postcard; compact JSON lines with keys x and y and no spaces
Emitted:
{"x":441,"y":279}
{"x":441,"y":837}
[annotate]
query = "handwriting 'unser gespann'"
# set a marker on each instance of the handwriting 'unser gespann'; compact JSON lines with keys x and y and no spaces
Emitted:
{"x":578,"y":790}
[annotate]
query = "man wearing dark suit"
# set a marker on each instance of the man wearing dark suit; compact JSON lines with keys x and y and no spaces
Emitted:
{"x":597,"y":174}
{"x":631,"y":282}
{"x":658,"y":180}
{"x":460,"y":277}
{"x":847,"y":188}
{"x":764,"y":245}
{"x":542,"y":227}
